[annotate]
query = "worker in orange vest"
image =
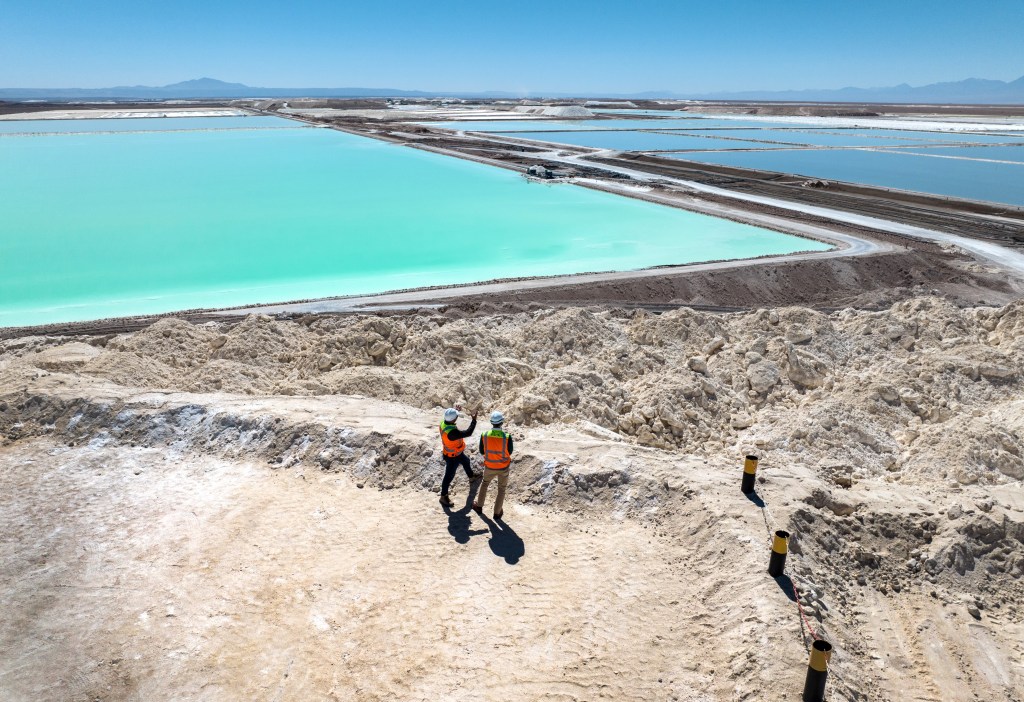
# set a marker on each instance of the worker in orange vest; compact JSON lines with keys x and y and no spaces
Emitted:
{"x":453,"y":446}
{"x":496,"y":447}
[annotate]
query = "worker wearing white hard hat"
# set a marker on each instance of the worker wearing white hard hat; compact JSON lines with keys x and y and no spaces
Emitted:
{"x":496,"y":447}
{"x":453,"y":446}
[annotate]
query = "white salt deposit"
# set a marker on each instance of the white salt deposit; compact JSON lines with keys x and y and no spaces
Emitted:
{"x":879,"y":123}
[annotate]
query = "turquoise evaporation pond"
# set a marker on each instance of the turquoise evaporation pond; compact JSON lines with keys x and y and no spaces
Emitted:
{"x":974,"y":180}
{"x":839,"y":138}
{"x":640,"y":141}
{"x":711,"y":121}
{"x":140,"y":124}
{"x":938,"y":137}
{"x":107,"y":225}
{"x":995,"y":153}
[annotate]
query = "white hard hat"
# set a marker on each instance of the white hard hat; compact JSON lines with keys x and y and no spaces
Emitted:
{"x":451,"y":414}
{"x":497,"y":417}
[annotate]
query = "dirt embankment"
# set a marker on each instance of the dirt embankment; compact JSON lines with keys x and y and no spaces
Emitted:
{"x":891,"y":442}
{"x":873,"y":282}
{"x":680,"y":379}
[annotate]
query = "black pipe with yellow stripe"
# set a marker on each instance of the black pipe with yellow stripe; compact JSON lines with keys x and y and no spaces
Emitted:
{"x":749,"y":473}
{"x":780,"y":547}
{"x":817,"y":671}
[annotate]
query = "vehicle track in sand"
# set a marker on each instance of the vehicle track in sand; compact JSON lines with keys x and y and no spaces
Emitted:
{"x":247,"y":582}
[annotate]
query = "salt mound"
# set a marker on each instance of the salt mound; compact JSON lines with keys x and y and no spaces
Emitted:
{"x":132,"y":370}
{"x":570,"y":111}
{"x":914,"y":391}
{"x":65,"y":357}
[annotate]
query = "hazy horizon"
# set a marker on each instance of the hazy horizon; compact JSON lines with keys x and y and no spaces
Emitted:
{"x":591,"y":47}
{"x":442,"y":91}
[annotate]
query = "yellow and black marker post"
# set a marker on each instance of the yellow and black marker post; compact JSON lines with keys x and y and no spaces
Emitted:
{"x":817,"y":671}
{"x":780,"y":547}
{"x":749,"y":473}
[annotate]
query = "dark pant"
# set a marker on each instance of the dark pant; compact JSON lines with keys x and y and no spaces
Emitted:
{"x":451,"y":464}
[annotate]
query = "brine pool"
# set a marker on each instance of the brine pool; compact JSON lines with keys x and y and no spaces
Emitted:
{"x":103,"y":218}
{"x":973,"y":161}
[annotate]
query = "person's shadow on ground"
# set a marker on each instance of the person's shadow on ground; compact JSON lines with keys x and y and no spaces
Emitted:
{"x":504,"y":541}
{"x":459,"y":520}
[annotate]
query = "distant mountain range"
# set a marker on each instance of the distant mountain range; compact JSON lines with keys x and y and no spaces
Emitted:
{"x":970,"y":91}
{"x":202,"y":88}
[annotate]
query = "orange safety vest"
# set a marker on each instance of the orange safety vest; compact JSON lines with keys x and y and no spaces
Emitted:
{"x":496,"y":455}
{"x":452,"y":448}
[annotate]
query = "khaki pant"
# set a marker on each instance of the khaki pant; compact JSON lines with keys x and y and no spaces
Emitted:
{"x":499,"y":500}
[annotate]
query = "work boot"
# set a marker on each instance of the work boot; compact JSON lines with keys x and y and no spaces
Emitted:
{"x":446,"y":501}
{"x":475,"y":478}
{"x":497,"y":515}
{"x":479,"y":509}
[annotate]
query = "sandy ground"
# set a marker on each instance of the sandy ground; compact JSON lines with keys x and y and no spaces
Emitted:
{"x":151,"y":571}
{"x":224,"y":580}
{"x":249,"y":512}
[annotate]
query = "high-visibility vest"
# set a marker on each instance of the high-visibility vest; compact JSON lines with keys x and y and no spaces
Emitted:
{"x":452,"y":447}
{"x":496,"y":455}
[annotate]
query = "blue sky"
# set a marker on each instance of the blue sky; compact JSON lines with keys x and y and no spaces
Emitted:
{"x":558,"y":45}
